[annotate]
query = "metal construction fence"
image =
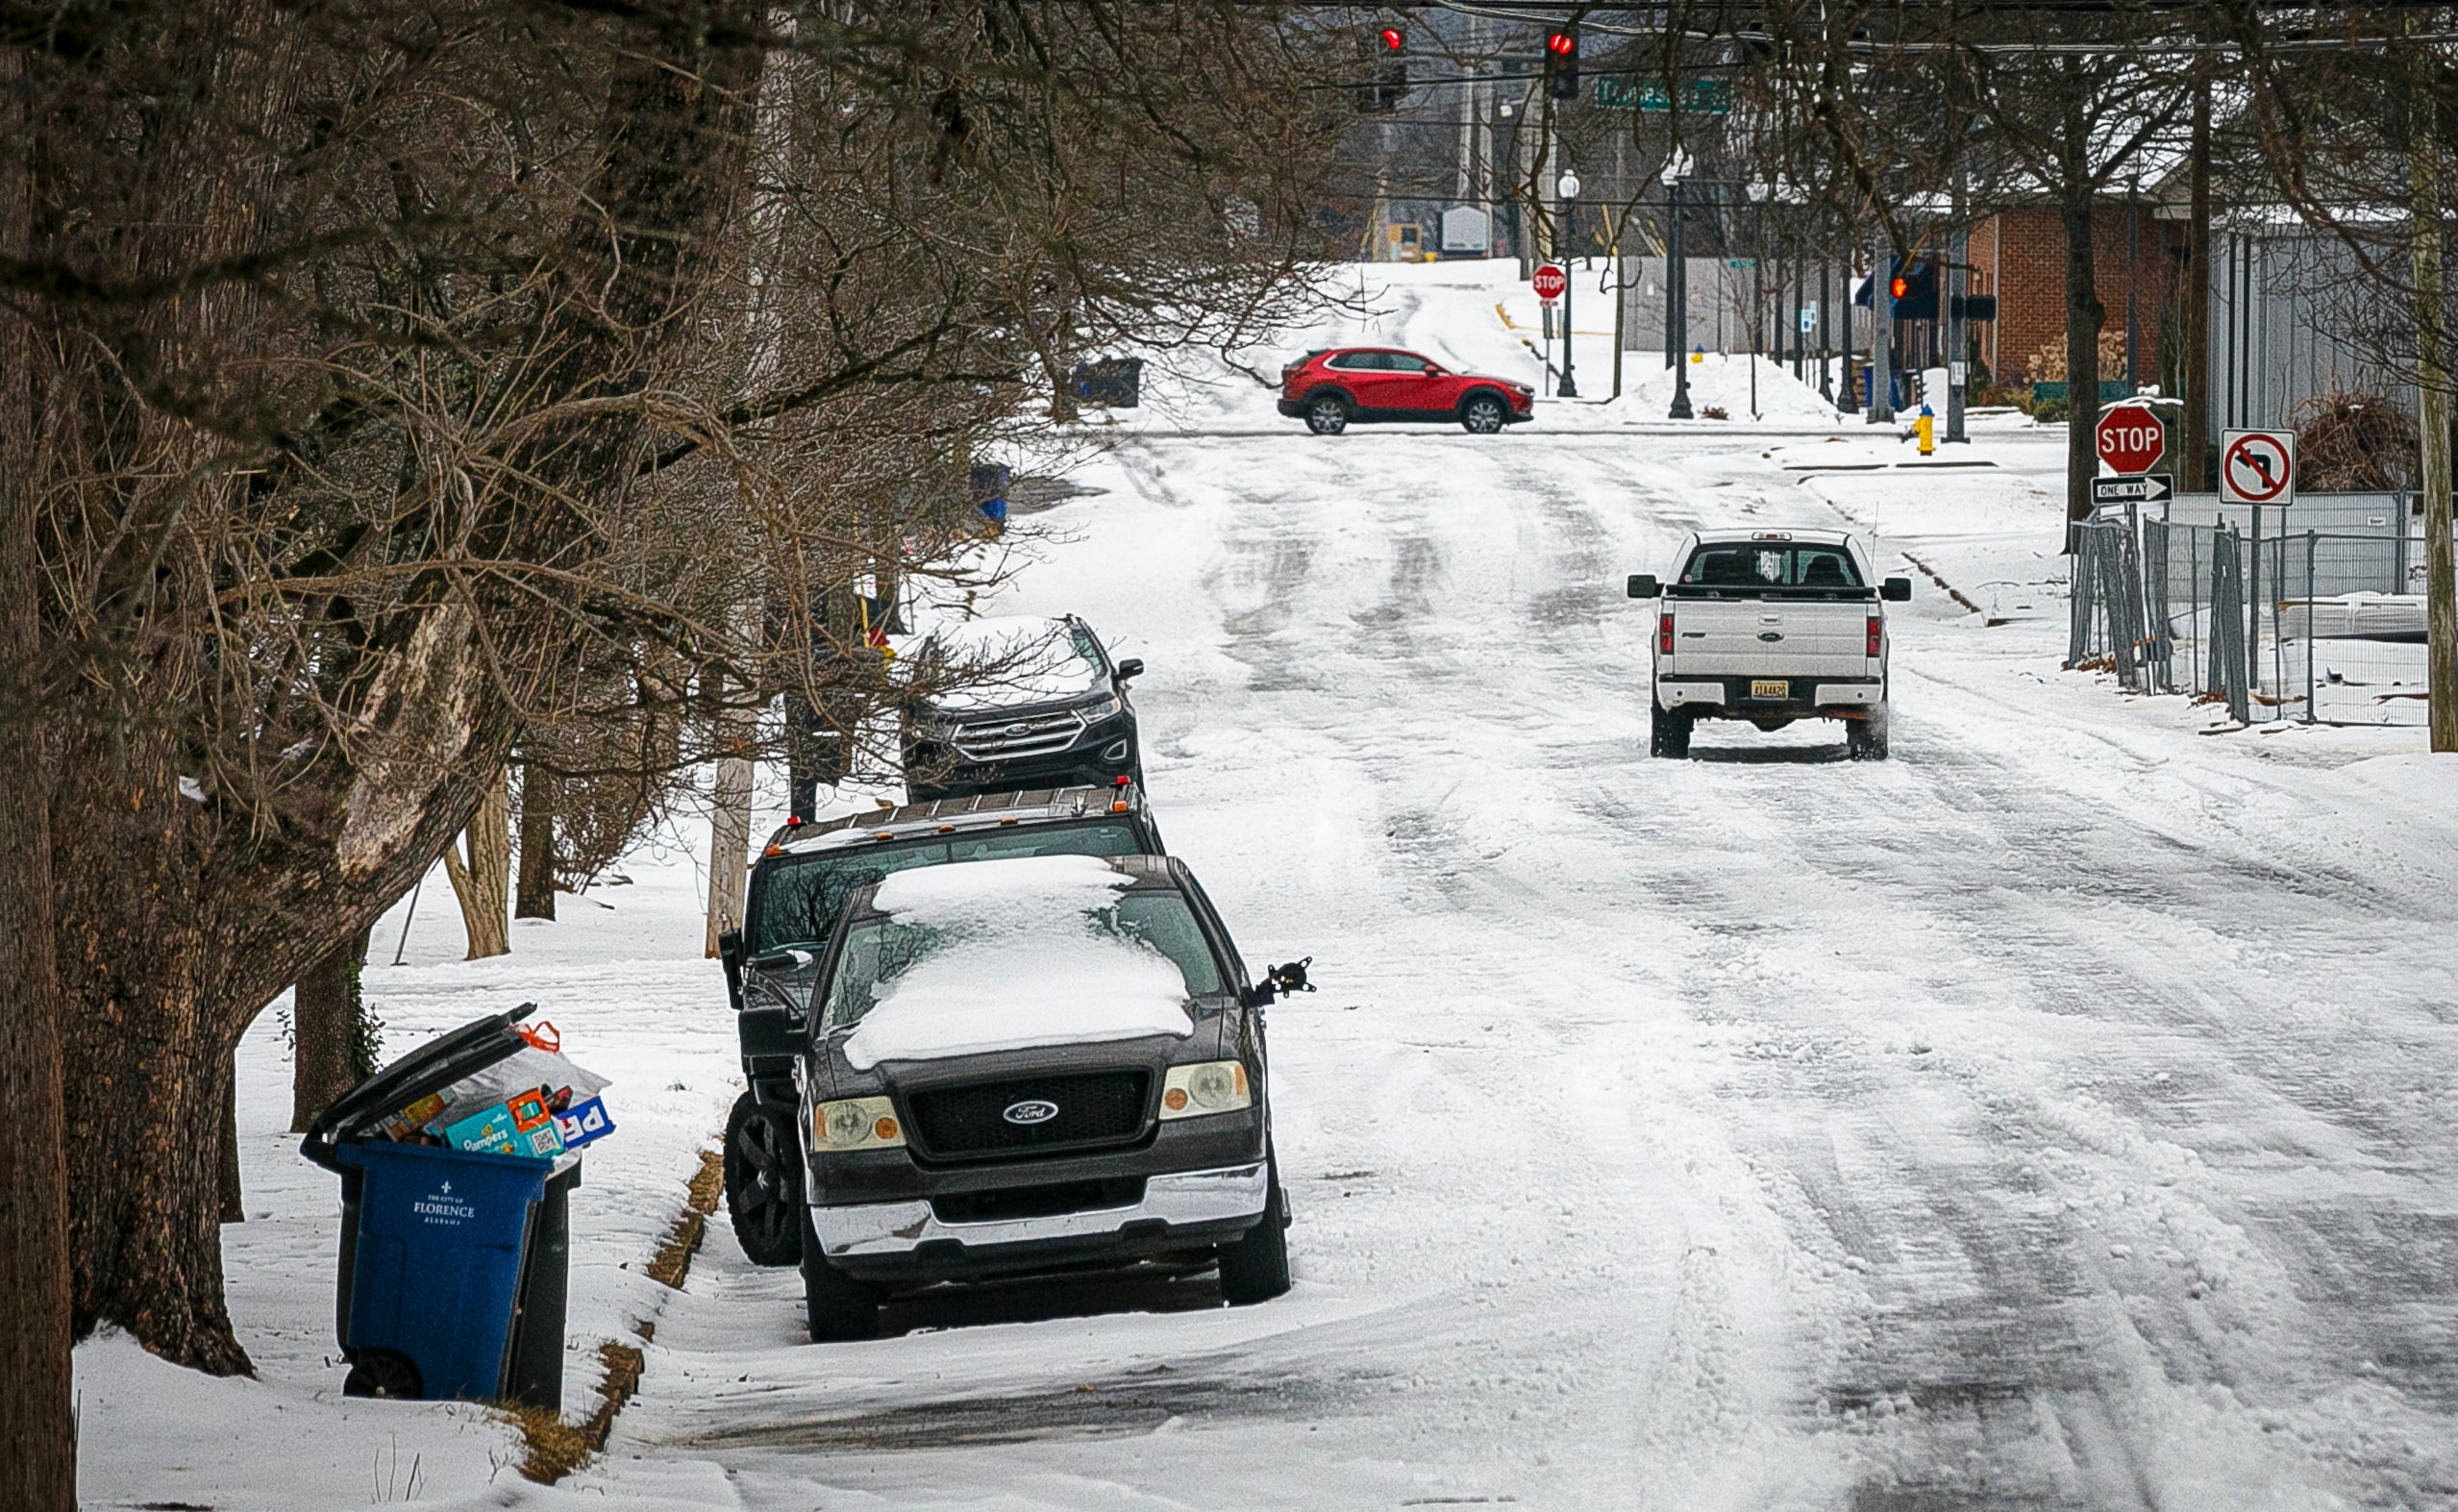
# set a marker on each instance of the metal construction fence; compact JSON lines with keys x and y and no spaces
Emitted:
{"x":2306,"y":624}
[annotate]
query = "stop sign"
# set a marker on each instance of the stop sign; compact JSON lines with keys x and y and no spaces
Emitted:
{"x":2129,"y":438}
{"x":1550,"y":281}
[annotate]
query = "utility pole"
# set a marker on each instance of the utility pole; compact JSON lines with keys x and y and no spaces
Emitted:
{"x":1958,"y":285}
{"x":2193,"y":422}
{"x":1567,"y":189}
{"x":1881,"y":332}
{"x":1826,"y":327}
{"x":1677,"y":290}
{"x":2432,"y":403}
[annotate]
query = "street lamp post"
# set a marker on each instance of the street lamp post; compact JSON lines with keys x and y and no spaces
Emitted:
{"x":1676,"y":286}
{"x":1567,"y":188}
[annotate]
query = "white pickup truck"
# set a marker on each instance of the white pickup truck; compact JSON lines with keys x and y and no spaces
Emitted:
{"x":1770,"y":626}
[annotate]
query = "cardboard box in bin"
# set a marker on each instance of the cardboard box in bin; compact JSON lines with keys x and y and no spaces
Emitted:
{"x":518,"y":1126}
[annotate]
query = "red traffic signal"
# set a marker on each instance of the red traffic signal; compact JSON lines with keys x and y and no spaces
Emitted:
{"x":1561,"y":45}
{"x":1900,"y":287}
{"x":1394,"y":40}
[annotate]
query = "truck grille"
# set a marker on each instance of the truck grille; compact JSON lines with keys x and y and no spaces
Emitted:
{"x":1003,"y":739}
{"x":1103,"y":1108}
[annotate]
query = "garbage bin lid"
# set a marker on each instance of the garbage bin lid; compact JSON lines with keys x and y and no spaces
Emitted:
{"x":439,"y":1063}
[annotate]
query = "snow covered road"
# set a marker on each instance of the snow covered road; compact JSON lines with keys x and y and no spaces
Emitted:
{"x":2054,"y":1116}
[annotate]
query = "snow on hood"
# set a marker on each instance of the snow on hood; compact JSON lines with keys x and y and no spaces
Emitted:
{"x":1022,"y":963}
{"x":1007,"y":662}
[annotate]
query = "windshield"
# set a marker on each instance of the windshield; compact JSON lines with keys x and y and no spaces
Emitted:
{"x":1770,"y":564}
{"x":878,"y":952}
{"x":799,"y":901}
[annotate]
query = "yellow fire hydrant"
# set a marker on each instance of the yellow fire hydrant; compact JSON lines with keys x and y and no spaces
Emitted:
{"x":1925,"y":428}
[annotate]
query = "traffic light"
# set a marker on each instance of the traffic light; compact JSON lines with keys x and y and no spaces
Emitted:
{"x":1389,"y":73}
{"x":1915,"y":292}
{"x":1562,"y":63}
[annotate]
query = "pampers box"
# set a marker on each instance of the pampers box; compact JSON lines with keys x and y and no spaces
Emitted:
{"x":518,"y":1126}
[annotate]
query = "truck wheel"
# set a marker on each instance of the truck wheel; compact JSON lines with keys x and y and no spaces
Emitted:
{"x":1669,"y":732}
{"x":1326,"y":414}
{"x":1254,"y":1266}
{"x":840,"y":1307}
{"x":1865,"y":739}
{"x":1482,"y":415}
{"x":764,"y":1181}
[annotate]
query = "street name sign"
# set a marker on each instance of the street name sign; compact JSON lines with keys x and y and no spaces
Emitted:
{"x":2257,"y":467}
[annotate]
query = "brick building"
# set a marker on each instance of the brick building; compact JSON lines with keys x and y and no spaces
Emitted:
{"x":2020,"y":254}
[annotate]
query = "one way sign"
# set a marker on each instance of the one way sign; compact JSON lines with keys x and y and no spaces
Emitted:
{"x":2148,"y":488}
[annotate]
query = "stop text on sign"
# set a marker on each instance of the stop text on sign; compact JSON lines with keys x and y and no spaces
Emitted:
{"x":2129,"y":438}
{"x":1550,"y":281}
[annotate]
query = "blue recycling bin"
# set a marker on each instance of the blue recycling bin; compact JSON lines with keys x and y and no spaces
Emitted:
{"x":436,"y":1279}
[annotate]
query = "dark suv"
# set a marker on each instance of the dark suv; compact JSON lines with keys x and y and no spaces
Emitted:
{"x":1031,"y":1065}
{"x":1019,"y":702}
{"x":798,"y":890}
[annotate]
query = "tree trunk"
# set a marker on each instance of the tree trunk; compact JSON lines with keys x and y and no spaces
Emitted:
{"x":2084,"y":316}
{"x":482,"y":880}
{"x":729,"y":828}
{"x":2432,"y":396}
{"x":37,"y":1426}
{"x":226,"y":1165}
{"x":2194,"y":425}
{"x":327,"y":1017}
{"x":541,"y":791}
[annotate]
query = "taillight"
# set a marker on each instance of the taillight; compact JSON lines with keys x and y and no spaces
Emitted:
{"x":1664,"y":632}
{"x":1877,"y":628}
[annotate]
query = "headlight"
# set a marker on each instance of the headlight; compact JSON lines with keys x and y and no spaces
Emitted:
{"x":855,"y":1123}
{"x":1099,"y":708}
{"x":1210,"y":1086}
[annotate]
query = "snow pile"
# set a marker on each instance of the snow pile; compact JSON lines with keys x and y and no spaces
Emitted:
{"x":1722,"y":383}
{"x":1021,"y":960}
{"x":1007,"y":662}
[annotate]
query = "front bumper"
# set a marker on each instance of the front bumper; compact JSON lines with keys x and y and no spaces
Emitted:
{"x":1829,"y":698}
{"x":909,"y":1241}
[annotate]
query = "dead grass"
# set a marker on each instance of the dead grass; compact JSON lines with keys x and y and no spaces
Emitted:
{"x":555,"y":1447}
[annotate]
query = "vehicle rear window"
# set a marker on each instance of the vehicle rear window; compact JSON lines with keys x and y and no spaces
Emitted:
{"x":799,"y":900}
{"x":1770,"y":564}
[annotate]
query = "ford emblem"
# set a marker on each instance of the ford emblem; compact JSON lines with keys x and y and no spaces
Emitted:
{"x":1017,"y":730}
{"x":1033,"y":1110}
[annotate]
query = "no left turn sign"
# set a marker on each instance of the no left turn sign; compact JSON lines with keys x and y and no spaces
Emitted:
{"x":2257,"y":467}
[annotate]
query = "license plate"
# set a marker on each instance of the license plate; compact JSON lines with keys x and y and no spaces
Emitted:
{"x":1770,"y":687}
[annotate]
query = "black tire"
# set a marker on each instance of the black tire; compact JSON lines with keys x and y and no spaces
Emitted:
{"x":1326,"y":414}
{"x":1483,"y":414}
{"x":1865,"y":739}
{"x":1254,"y":1266}
{"x":841,"y":1308}
{"x":764,"y":1181}
{"x":384,"y":1372}
{"x":1669,"y":732}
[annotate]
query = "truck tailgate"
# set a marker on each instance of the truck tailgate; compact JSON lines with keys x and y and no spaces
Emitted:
{"x":1770,"y":637}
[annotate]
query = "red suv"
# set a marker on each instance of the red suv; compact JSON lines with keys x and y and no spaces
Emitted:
{"x":1337,"y":385}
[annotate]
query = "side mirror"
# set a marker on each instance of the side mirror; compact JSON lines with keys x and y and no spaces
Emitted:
{"x":1280,"y":980}
{"x":1131,"y":667}
{"x":1895,"y":590}
{"x":730,"y":957}
{"x":1643,"y":585}
{"x":787,"y":960}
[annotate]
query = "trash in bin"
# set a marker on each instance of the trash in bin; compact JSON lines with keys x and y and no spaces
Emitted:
{"x":455,"y":1231}
{"x":1117,"y":381}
